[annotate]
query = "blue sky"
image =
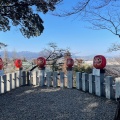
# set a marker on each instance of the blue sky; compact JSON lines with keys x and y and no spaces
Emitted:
{"x":65,"y":32}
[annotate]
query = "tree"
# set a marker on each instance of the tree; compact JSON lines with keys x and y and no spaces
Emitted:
{"x":24,"y":13}
{"x":83,"y":68}
{"x":84,"y":6}
{"x":114,"y":47}
{"x":52,"y":55}
{"x":109,"y":21}
{"x":14,"y":54}
{"x":2,"y":45}
{"x":5,"y":59}
{"x":102,"y":14}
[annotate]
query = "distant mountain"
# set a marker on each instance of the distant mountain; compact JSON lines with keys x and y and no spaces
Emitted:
{"x":89,"y":57}
{"x":31,"y":55}
{"x":22,"y":54}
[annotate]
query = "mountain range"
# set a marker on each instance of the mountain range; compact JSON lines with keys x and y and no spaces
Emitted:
{"x":32,"y":55}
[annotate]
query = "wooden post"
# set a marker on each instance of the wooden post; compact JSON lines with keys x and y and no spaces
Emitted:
{"x":21,"y":78}
{"x":79,"y":80}
{"x":62,"y":82}
{"x":109,"y":88}
{"x":69,"y":78}
{"x":4,"y":78}
{"x":37,"y":78}
{"x":18,"y":80}
{"x":13,"y":80}
{"x":41,"y":77}
{"x":9,"y":82}
{"x":99,"y":85}
{"x":55,"y":82}
{"x":49,"y":82}
{"x":96,"y":72}
{"x":24,"y":78}
{"x":91,"y":83}
{"x":30,"y":78}
{"x":85,"y":85}
{"x":34,"y":77}
{"x":117,"y":87}
{"x":1,"y":84}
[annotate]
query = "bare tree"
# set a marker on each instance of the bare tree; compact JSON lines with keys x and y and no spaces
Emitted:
{"x":52,"y":55}
{"x":84,"y":6}
{"x":5,"y":59}
{"x":114,"y":47}
{"x":102,"y":14}
{"x":2,"y":45}
{"x":14,"y":54}
{"x":108,"y":21}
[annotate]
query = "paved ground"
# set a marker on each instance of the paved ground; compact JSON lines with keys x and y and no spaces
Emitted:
{"x":34,"y":103}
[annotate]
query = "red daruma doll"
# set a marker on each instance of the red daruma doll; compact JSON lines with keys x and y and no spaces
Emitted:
{"x":18,"y":63}
{"x":69,"y":62}
{"x":1,"y":64}
{"x":99,"y":62}
{"x":41,"y":62}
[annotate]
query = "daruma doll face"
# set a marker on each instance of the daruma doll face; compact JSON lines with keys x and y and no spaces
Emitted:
{"x":41,"y":62}
{"x":99,"y":62}
{"x":18,"y":63}
{"x":70,"y":62}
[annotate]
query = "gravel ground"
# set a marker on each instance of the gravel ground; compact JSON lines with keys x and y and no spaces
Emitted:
{"x":35,"y":103}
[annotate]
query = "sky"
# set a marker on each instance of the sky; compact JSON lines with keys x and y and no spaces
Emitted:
{"x":66,"y":32}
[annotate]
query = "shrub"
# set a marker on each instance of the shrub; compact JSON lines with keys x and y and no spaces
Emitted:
{"x":83,"y":68}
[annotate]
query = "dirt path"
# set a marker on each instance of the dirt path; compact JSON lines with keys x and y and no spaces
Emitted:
{"x":35,"y":103}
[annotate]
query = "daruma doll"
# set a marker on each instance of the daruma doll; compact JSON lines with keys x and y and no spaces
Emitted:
{"x":18,"y":63}
{"x":99,"y":62}
{"x":1,"y":64}
{"x":69,"y":62}
{"x":41,"y":62}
